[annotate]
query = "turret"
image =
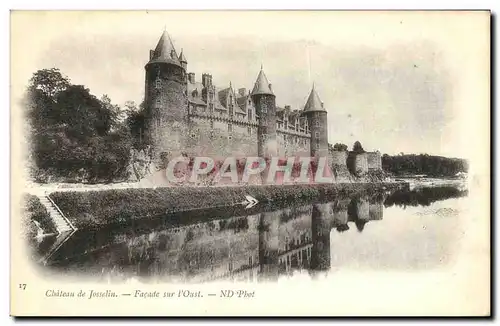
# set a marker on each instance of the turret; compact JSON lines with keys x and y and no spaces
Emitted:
{"x":318,"y":124}
{"x":265,"y":106}
{"x":182,"y":60}
{"x":165,"y":98}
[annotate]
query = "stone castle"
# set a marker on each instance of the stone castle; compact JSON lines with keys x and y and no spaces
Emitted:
{"x":184,"y":115}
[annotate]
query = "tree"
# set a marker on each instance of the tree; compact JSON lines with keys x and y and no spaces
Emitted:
{"x":49,"y":82}
{"x":75,"y":135}
{"x":357,"y":147}
{"x":340,"y":147}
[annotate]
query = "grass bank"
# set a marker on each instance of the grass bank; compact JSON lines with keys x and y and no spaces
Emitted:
{"x":96,"y":209}
{"x":33,"y":210}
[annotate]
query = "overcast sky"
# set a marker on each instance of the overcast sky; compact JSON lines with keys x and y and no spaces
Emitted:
{"x":397,"y":82}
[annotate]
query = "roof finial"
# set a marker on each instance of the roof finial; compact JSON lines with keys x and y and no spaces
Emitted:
{"x":313,"y":84}
{"x":261,"y":66}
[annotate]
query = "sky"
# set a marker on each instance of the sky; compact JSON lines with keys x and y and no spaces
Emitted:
{"x":397,"y":82}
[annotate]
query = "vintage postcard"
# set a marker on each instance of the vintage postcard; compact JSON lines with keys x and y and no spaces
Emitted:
{"x":250,"y":163}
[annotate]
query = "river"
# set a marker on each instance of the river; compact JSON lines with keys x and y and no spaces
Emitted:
{"x":399,"y":230}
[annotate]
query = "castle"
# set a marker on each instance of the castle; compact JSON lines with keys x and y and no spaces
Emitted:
{"x":184,"y":115}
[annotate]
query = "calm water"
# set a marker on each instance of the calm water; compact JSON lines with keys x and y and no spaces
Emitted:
{"x":400,"y":230}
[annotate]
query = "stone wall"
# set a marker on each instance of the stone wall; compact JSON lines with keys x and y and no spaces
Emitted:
{"x":211,"y":136}
{"x":338,"y":163}
{"x":374,"y":160}
{"x":357,"y":163}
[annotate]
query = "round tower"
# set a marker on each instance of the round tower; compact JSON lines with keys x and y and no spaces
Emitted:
{"x":318,"y":124}
{"x":165,"y":98}
{"x":265,"y":107}
{"x":182,"y":60}
{"x":321,"y":226}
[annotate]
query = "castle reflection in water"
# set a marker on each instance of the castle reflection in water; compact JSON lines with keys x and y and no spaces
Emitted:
{"x":262,"y":246}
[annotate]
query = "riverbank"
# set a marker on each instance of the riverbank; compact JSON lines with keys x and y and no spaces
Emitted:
{"x":96,"y":209}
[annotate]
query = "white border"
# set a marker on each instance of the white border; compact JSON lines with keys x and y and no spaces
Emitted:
{"x":192,"y":4}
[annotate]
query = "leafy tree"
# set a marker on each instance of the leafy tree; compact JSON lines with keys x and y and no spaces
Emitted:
{"x":411,"y":164}
{"x":340,"y":147}
{"x":49,"y":82}
{"x":75,"y":135}
{"x":357,"y":147}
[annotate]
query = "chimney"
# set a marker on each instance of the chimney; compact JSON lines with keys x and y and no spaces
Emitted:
{"x":191,"y":77}
{"x":242,"y":91}
{"x":206,"y":80}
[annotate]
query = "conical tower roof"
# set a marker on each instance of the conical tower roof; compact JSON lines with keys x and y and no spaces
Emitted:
{"x":165,"y":51}
{"x":313,"y":102}
{"x":262,"y":85}
{"x":182,"y":58}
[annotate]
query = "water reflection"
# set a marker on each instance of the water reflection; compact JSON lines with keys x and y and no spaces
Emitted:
{"x":262,"y":246}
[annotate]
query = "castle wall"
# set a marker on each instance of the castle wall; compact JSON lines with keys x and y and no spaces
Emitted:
{"x":374,"y":160}
{"x":218,"y":141}
{"x":338,"y":163}
{"x":357,"y":163}
{"x":293,"y":144}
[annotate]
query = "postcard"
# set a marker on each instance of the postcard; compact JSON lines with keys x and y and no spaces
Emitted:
{"x":250,"y":163}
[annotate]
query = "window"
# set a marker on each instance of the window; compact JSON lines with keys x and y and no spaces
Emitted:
{"x":158,"y":102}
{"x":317,"y":145}
{"x":204,"y":109}
{"x":286,"y":124}
{"x":231,"y":109}
{"x":249,"y":114}
{"x":158,"y":83}
{"x":230,"y":128}
{"x":263,"y":107}
{"x":211,"y":107}
{"x":211,"y":124}
{"x":317,"y":123}
{"x":316,"y":134}
{"x":263,"y":137}
{"x":249,"y":130}
{"x":158,"y":122}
